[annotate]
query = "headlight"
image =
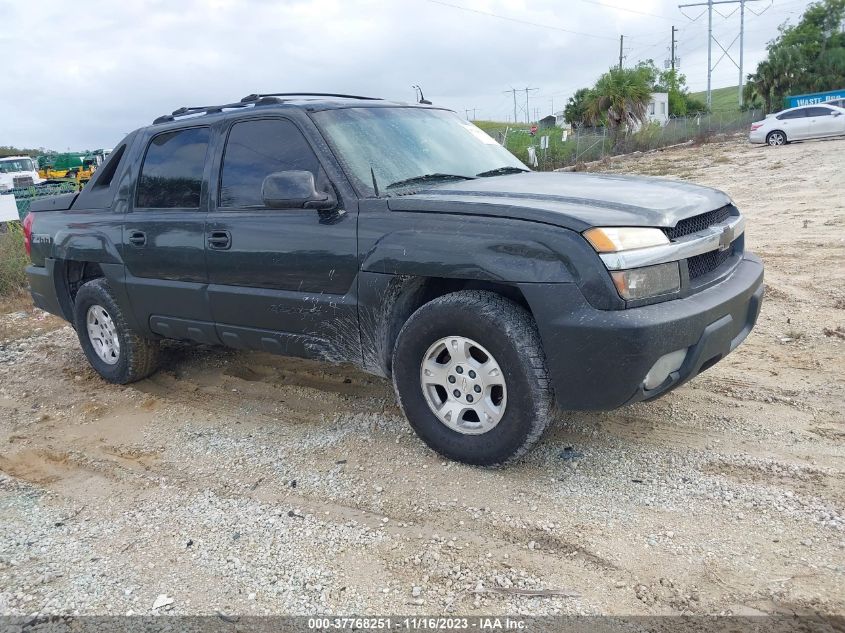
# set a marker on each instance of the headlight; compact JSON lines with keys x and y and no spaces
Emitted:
{"x":612,"y":239}
{"x":650,"y":281}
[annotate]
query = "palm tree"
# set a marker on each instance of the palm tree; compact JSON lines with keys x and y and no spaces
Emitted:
{"x":620,"y":96}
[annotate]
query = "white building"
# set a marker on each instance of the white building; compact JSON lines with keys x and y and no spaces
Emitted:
{"x":658,"y":108}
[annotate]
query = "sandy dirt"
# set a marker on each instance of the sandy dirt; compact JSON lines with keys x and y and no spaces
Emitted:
{"x":245,"y":483}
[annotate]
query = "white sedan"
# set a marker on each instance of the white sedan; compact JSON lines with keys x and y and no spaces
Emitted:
{"x":797,"y":124}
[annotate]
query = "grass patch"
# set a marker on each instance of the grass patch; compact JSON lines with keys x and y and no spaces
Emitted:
{"x":723,"y":99}
{"x":13,"y":261}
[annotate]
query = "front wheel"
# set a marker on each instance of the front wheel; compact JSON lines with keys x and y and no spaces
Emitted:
{"x":776,"y":138}
{"x":470,"y":375}
{"x":118,"y":353}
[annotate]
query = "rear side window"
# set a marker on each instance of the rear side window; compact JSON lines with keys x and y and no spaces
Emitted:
{"x":794,"y":114}
{"x":171,"y":176}
{"x":256,"y":149}
{"x":105,"y":174}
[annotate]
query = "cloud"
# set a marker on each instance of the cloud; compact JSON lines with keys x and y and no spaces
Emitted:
{"x":82,"y":79}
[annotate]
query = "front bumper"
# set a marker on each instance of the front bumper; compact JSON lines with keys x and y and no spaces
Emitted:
{"x":598,"y":359}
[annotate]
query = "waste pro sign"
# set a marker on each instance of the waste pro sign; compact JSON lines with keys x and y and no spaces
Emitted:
{"x":811,"y":99}
{"x":8,"y":209}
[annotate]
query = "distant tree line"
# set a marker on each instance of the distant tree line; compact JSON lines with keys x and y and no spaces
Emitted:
{"x":8,"y":150}
{"x":805,"y":57}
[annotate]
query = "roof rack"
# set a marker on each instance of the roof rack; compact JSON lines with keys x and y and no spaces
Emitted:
{"x":256,"y":97}
{"x":188,"y":111}
{"x":250,"y":100}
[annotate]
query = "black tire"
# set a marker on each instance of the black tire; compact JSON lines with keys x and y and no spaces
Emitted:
{"x":509,"y":333}
{"x":774,"y":134}
{"x":136,"y":358}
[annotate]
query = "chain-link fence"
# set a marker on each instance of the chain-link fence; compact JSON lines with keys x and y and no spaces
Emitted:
{"x":25,"y":195}
{"x":586,"y":144}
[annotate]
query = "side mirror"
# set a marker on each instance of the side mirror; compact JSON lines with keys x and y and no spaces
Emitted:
{"x":294,"y":189}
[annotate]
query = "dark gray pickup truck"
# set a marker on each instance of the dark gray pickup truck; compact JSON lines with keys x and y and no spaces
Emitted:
{"x":406,"y":241}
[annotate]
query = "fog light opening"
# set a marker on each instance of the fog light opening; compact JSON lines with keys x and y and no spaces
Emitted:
{"x":664,"y":366}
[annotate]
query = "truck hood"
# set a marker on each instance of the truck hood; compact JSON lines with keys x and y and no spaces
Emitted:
{"x":572,"y":200}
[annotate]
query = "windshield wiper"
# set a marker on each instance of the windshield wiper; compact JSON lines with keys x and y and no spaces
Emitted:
{"x":501,"y":171}
{"x":417,"y":180}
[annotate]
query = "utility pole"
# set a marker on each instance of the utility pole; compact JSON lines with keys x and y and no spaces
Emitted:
{"x":513,"y":90}
{"x":710,"y":39}
{"x":741,"y":43}
{"x":672,"y":58}
{"x":621,"y":41}
{"x":709,"y":47}
{"x":527,"y":111}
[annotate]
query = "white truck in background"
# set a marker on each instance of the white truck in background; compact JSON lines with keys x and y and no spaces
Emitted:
{"x":18,"y":171}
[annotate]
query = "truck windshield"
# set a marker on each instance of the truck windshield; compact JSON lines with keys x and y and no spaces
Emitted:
{"x":19,"y":164}
{"x":410,"y":147}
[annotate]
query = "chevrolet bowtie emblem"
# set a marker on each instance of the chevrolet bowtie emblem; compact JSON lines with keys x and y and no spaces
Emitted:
{"x":726,"y":238}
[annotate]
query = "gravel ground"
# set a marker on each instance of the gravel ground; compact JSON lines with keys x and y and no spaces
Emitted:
{"x":251,"y":484}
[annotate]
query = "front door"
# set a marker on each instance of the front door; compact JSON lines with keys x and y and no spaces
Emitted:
{"x":823,"y":123}
{"x":164,"y":237}
{"x":282,"y":280}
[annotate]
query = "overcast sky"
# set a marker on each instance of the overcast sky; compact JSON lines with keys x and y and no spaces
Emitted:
{"x":80,"y":76}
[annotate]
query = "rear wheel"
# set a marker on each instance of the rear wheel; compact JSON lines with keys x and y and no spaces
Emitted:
{"x":118,"y":353}
{"x":776,"y":138}
{"x":470,"y":375}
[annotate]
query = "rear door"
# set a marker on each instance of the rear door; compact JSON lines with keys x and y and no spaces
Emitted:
{"x":164,"y":236}
{"x":282,"y":280}
{"x":824,"y":123}
{"x":795,"y":123}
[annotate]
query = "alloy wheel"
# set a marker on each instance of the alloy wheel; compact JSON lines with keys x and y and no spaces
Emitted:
{"x":463,"y":385}
{"x":102,"y":333}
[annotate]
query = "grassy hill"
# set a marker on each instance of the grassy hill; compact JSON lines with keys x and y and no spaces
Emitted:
{"x":723,"y":98}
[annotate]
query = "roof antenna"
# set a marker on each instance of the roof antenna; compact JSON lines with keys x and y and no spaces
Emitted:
{"x":375,"y":182}
{"x":419,"y":94}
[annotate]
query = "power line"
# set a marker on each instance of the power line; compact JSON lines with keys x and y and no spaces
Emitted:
{"x":618,"y":8}
{"x":518,"y":21}
{"x":710,"y":39}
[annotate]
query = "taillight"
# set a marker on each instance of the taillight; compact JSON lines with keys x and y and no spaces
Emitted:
{"x":756,"y":126}
{"x":27,"y":233}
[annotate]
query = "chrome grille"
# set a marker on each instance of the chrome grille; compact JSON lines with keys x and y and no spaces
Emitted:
{"x":22,"y":181}
{"x":698,"y":222}
{"x":702,"y":264}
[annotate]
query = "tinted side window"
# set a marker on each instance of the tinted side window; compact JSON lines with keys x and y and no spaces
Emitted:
{"x":256,"y":149}
{"x":171,"y":176}
{"x":820,"y":112}
{"x":794,"y":114}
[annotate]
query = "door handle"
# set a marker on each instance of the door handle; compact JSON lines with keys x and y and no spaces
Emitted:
{"x":137,"y":238}
{"x":219,"y":240}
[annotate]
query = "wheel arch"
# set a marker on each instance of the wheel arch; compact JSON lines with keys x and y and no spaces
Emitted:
{"x":71,"y":274}
{"x":388,"y":301}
